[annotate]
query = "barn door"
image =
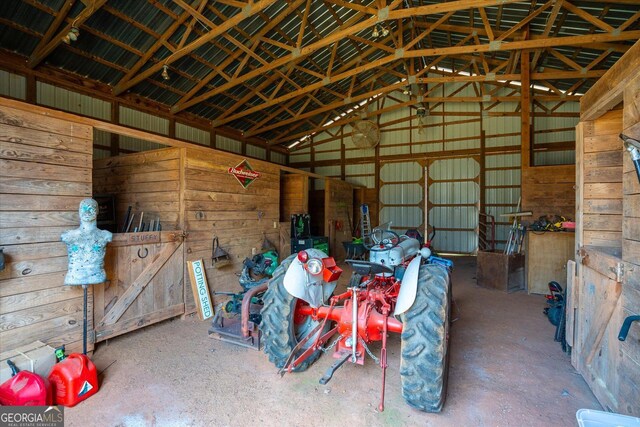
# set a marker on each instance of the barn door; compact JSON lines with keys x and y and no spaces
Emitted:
{"x":453,"y":203}
{"x":401,"y":196}
{"x":145,"y":283}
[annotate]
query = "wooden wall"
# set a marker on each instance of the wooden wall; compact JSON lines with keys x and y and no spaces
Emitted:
{"x":45,"y":171}
{"x":149,"y":182}
{"x":549,"y":190}
{"x":294,"y":195}
{"x":338,"y":204}
{"x":216,"y":204}
{"x":606,"y":286}
{"x":630,"y":299}
{"x":602,"y":181}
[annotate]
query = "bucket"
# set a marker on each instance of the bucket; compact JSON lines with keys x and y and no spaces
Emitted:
{"x":73,"y":380}
{"x":24,"y":388}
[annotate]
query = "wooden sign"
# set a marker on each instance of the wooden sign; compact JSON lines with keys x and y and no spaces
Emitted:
{"x":200,"y":289}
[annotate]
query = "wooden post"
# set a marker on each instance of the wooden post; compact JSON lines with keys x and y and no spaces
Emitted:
{"x":32,"y":89}
{"x":115,"y":138}
{"x":525,"y":110}
{"x":343,"y":154}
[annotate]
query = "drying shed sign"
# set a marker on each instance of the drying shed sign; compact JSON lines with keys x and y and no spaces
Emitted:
{"x":244,"y":173}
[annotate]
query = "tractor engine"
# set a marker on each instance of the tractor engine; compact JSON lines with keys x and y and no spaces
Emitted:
{"x":392,"y":256}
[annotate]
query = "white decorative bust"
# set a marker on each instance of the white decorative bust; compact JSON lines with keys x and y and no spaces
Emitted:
{"x":86,"y":246}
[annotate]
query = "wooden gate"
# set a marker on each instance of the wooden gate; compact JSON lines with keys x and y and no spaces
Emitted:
{"x":146,"y":283}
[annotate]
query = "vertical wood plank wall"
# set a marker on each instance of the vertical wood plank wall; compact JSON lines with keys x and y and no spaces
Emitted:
{"x":149,"y":182}
{"x":294,"y":195}
{"x":338,"y":210}
{"x":630,"y":299}
{"x":45,"y":171}
{"x":607,"y":285}
{"x":217,"y":205}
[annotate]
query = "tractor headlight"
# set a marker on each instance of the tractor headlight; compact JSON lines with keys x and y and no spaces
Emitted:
{"x":314,"y":266}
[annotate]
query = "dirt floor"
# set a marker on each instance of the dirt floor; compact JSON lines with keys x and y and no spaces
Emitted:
{"x":505,"y":370}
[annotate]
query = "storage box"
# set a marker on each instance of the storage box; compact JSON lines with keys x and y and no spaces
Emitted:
{"x":317,"y":242}
{"x":496,"y":270}
{"x":36,"y":357}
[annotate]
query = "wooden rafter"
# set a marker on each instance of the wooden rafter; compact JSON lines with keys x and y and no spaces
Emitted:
{"x":39,"y":55}
{"x":251,"y":10}
{"x":350,"y":27}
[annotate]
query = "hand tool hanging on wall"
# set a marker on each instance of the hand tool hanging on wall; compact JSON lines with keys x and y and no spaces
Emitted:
{"x":633,"y":147}
{"x":219,"y":257}
{"x":624,"y":330}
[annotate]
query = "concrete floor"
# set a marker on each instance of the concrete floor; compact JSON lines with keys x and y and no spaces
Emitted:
{"x":505,"y":370}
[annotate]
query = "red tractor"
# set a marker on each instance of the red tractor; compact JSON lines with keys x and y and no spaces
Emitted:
{"x":401,"y":289}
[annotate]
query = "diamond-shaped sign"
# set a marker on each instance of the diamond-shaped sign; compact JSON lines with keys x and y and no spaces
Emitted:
{"x":244,"y":173}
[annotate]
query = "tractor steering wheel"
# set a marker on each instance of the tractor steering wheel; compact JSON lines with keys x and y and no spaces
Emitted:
{"x":388,"y":238}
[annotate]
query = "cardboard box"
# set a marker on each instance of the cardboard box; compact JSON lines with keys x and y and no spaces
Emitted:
{"x":36,"y":357}
{"x":496,"y":270}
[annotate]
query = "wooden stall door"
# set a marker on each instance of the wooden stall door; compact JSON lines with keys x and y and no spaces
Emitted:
{"x":145,"y":283}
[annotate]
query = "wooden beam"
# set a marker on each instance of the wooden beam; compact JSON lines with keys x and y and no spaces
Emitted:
{"x":525,"y":112}
{"x":62,"y":14}
{"x":39,"y":55}
{"x":253,"y":42}
{"x":345,"y":30}
{"x":588,"y":17}
{"x":607,"y":92}
{"x":247,"y":12}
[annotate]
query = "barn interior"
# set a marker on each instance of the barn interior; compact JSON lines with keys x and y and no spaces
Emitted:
{"x":495,"y":144}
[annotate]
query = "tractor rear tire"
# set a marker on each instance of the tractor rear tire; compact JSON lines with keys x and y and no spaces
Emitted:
{"x":280,"y":332}
{"x":424,"y":363}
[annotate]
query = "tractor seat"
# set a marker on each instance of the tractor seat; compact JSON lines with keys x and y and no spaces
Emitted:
{"x":366,"y":268}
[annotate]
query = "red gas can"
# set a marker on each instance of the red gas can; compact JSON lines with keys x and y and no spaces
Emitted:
{"x":73,"y":380}
{"x":24,"y":388}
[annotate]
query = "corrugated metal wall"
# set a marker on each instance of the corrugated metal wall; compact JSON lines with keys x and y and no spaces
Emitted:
{"x":144,"y":121}
{"x":279,"y":158}
{"x":402,"y":195}
{"x":63,"y":99}
{"x":228,"y":144}
{"x":257,"y":152}
{"x":191,"y":134}
{"x":13,"y":85}
{"x":454,"y":197}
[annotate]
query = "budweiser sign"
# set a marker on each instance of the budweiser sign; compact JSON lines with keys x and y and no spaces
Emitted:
{"x":244,"y":173}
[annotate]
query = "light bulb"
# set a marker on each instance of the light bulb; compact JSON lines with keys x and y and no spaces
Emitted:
{"x":375,"y":31}
{"x":165,"y":73}
{"x":385,"y":32}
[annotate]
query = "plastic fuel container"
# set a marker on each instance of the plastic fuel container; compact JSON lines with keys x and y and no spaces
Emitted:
{"x":73,"y":380}
{"x":24,"y":388}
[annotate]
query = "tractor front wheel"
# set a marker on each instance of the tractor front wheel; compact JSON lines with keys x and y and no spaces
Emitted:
{"x":424,"y":361}
{"x":282,"y":329}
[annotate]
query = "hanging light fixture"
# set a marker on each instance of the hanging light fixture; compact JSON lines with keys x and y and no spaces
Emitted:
{"x":385,"y":31}
{"x":71,"y":36}
{"x":375,"y":32}
{"x":165,"y":73}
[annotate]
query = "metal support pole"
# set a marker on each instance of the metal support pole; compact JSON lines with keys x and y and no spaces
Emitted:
{"x":84,"y":320}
